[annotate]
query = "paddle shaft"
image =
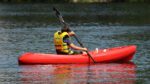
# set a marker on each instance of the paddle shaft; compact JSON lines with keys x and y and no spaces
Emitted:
{"x":83,"y":46}
{"x":64,"y":23}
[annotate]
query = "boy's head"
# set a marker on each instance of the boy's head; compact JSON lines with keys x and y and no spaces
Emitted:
{"x":65,"y":29}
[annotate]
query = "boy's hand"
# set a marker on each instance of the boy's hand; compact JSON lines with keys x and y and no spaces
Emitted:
{"x":85,"y":49}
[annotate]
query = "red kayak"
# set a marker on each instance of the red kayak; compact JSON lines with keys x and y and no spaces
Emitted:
{"x":116,"y":54}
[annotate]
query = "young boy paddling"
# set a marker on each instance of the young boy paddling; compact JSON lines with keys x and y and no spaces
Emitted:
{"x":63,"y":44}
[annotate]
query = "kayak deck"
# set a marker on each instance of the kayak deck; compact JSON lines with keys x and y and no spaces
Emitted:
{"x":116,"y":54}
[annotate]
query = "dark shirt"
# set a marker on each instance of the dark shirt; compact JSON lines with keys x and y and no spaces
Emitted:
{"x":66,"y":39}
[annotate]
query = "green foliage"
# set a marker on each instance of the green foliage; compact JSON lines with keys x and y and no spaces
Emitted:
{"x":70,"y":1}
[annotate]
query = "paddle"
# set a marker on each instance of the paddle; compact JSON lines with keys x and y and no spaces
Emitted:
{"x":64,"y":23}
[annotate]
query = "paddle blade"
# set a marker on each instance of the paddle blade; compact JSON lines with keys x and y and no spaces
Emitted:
{"x":59,"y":16}
{"x":57,"y":12}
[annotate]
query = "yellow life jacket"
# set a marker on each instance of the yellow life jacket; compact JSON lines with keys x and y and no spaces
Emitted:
{"x":60,"y":45}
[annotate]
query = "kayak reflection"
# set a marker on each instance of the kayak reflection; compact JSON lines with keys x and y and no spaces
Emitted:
{"x":112,"y":73}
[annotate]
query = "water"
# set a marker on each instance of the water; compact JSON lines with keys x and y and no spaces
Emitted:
{"x":30,"y":27}
{"x":78,"y":73}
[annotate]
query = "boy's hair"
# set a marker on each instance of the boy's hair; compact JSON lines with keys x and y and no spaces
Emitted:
{"x":65,"y":29}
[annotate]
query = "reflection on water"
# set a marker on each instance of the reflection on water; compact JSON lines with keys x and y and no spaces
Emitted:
{"x":78,"y":74}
